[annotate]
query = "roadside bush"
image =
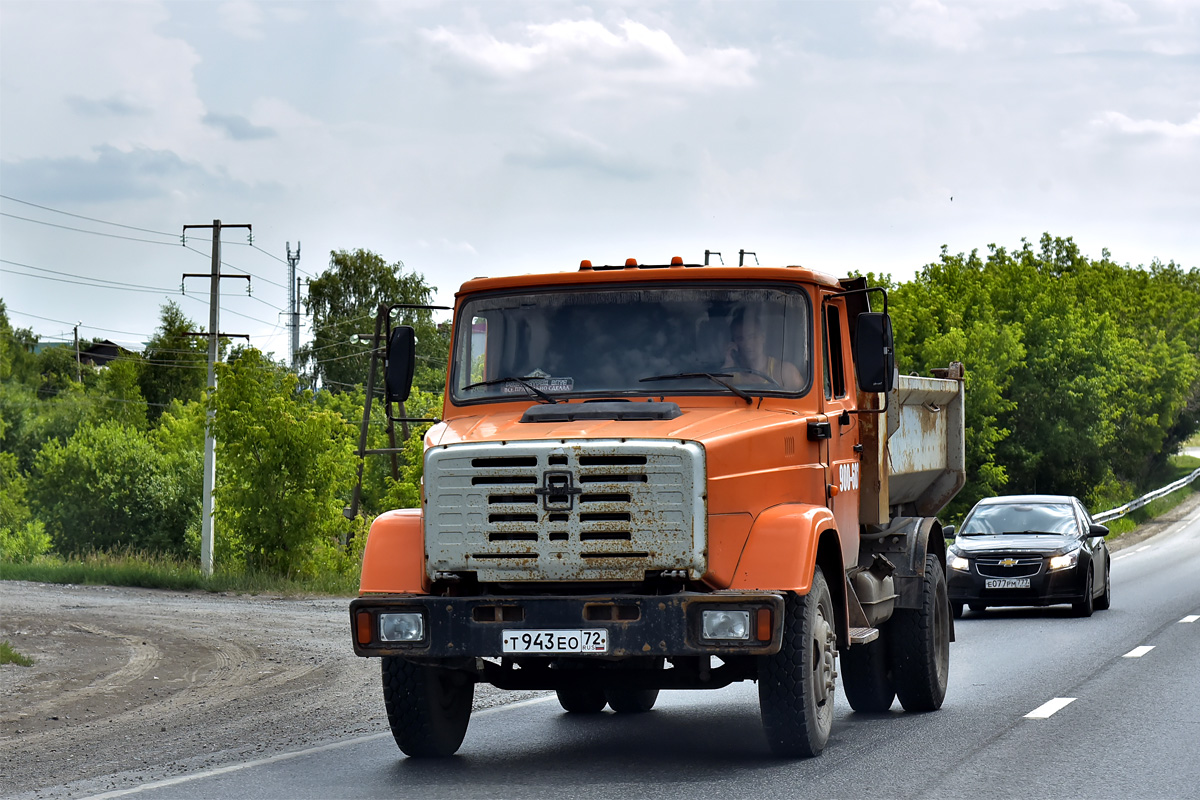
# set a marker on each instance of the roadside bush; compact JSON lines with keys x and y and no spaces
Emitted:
{"x":106,"y":488}
{"x":286,"y":467}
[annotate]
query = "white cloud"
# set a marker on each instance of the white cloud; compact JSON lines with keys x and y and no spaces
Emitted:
{"x":1116,"y":122}
{"x":635,"y":55}
{"x":242,"y":18}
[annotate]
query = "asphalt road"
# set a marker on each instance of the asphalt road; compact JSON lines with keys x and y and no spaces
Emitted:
{"x":1117,"y":720}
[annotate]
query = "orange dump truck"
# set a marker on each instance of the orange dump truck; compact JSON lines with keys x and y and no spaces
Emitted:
{"x":668,"y":476}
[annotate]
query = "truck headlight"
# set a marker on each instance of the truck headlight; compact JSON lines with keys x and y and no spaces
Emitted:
{"x":1064,"y":561}
{"x":729,"y":625}
{"x":408,"y":626}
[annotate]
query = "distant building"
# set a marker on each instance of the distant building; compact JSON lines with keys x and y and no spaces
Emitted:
{"x":98,"y":354}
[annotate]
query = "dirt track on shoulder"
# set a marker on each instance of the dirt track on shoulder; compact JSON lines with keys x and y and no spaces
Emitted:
{"x":135,"y":685}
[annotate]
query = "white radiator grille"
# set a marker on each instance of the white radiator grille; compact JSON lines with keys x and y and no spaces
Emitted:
{"x":555,"y":511}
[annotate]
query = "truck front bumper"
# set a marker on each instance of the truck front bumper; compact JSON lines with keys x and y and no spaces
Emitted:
{"x":636,"y":625}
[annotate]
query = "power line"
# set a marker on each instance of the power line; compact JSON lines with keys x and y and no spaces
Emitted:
{"x":81,"y":283}
{"x":81,"y":230}
{"x":89,"y":219}
{"x":81,"y":277}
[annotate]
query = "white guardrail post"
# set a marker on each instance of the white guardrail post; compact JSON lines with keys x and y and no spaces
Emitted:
{"x":1133,"y":505}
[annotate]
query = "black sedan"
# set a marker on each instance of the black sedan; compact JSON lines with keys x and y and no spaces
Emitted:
{"x":1029,"y":550}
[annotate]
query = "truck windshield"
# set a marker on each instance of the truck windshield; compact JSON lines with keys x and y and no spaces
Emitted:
{"x":633,"y":341}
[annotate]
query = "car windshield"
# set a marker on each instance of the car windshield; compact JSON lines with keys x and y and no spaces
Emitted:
{"x":1019,"y":518}
{"x":633,"y":340}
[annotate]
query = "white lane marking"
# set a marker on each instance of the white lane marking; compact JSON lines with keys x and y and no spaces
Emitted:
{"x":1131,"y":552}
{"x":1143,"y":547}
{"x":1138,"y":652}
{"x":1047,"y":710}
{"x":1190,"y":618}
{"x":210,"y":773}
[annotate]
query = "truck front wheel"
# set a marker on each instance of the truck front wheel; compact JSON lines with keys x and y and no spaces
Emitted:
{"x":428,"y":708}
{"x":919,"y":642}
{"x":796,"y":685}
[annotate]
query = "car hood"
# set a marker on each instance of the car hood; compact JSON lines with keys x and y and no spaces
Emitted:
{"x":1040,"y":543}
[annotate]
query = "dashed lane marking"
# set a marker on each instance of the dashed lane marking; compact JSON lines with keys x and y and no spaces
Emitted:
{"x":1190,"y":618}
{"x":1138,"y":652}
{"x":1049,"y":709}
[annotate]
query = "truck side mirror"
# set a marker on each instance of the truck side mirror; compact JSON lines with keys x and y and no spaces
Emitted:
{"x":874,"y":357}
{"x":401,"y":359}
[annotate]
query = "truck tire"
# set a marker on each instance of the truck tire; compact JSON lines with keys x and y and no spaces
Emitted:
{"x":867,"y":677}
{"x":1083,"y":606}
{"x":581,"y":700}
{"x":635,"y":701}
{"x":428,"y":708}
{"x":631,"y":701}
{"x":920,"y":644}
{"x":796,"y":685}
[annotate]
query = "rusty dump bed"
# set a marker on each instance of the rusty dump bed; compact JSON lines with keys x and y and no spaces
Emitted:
{"x":926,"y":451}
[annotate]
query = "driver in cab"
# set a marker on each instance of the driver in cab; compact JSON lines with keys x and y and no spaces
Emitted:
{"x":747,"y":356}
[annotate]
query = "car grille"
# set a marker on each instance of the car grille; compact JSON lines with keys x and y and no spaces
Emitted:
{"x":554,"y":511}
{"x":1000,"y":566}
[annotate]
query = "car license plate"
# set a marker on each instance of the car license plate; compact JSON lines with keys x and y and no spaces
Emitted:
{"x":1006,"y":583}
{"x":590,"y":640}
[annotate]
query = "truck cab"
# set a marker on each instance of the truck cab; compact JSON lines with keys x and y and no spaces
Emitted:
{"x":667,"y":476}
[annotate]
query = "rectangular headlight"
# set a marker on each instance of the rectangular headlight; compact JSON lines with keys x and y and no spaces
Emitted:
{"x":408,"y":626}
{"x":727,"y":625}
{"x":959,"y":563}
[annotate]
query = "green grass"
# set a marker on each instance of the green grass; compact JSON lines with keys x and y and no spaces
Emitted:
{"x":159,"y":572}
{"x":10,"y":656}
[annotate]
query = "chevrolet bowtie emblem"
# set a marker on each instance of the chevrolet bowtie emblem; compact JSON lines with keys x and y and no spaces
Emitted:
{"x":1008,"y":562}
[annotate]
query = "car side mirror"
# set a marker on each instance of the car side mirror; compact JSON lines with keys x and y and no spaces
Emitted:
{"x":401,"y":359}
{"x":1097,"y":530}
{"x":874,"y":356}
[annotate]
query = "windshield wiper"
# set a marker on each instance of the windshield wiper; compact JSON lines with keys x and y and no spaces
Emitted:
{"x":523,"y":381}
{"x":712,"y":376}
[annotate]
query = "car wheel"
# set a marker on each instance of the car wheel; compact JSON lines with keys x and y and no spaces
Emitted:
{"x":1104,"y":601}
{"x":957,"y":609}
{"x":428,"y":708}
{"x":867,"y":676}
{"x":796,"y":685}
{"x":1083,"y":607}
{"x":581,"y":700}
{"x":919,"y":644}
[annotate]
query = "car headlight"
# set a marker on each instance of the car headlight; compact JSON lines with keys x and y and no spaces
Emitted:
{"x":1065,"y":561}
{"x":959,"y":563}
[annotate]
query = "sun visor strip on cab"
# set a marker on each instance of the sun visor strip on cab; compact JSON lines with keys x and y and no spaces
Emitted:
{"x":615,"y":410}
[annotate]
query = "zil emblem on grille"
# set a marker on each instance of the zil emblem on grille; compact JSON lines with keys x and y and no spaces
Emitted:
{"x":557,"y":491}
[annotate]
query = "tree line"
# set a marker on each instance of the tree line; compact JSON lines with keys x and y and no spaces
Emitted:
{"x":1082,"y":377}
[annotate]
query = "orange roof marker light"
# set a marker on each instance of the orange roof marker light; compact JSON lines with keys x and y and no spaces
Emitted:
{"x":585,"y":266}
{"x":676,"y":261}
{"x":631,"y":263}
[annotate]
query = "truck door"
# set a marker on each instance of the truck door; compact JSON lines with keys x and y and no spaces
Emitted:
{"x":843,"y":462}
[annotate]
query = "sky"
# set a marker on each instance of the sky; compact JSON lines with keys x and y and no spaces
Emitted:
{"x":496,"y":138}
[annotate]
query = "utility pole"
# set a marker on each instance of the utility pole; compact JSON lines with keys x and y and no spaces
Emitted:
{"x":78,"y":366}
{"x":214,"y":335}
{"x":294,"y":299}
